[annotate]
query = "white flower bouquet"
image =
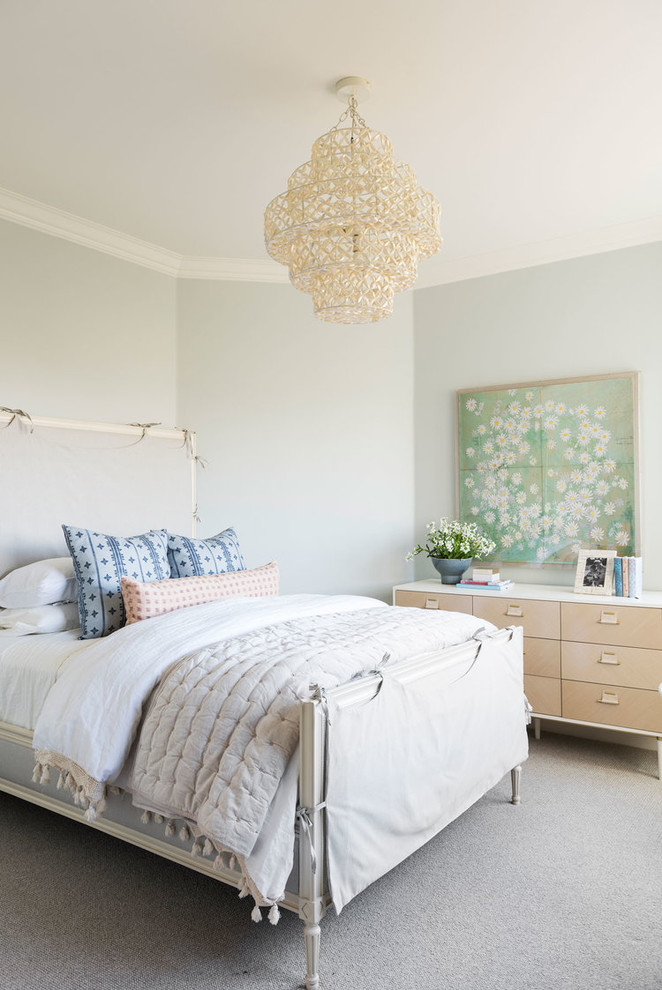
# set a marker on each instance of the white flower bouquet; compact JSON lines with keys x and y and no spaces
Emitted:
{"x":453,"y":540}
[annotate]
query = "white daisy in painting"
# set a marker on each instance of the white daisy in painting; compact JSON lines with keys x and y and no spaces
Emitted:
{"x":609,"y":466}
{"x":470,"y":451}
{"x":551,"y":444}
{"x":602,"y":487}
{"x":537,"y":411}
{"x":561,"y":485}
{"x":528,"y":395}
{"x":584,"y":458}
{"x":549,"y":405}
{"x":469,"y":482}
{"x":596,"y":430}
{"x":586,"y":495}
{"x":496,"y":422}
{"x":600,"y":412}
{"x":471,"y":405}
{"x":555,"y":539}
{"x":571,"y":529}
{"x":516,"y":478}
{"x":561,"y":408}
{"x":597,"y":534}
{"x":511,"y":458}
{"x":502,"y":440}
{"x":489,"y":517}
{"x":524,"y":447}
{"x":520,"y":498}
{"x":541,"y":552}
{"x":506,"y":541}
{"x":534,"y":489}
{"x":600,"y":449}
{"x":514,"y":408}
{"x":551,"y":473}
{"x":474,"y":510}
{"x":551,"y":422}
{"x":488,"y":447}
{"x":581,"y":411}
{"x":490,"y":482}
{"x":610,"y":509}
{"x":623,"y":483}
{"x":605,"y":436}
{"x":566,"y":434}
{"x":576,"y":476}
{"x":482,"y":468}
{"x":568,"y":454}
{"x":496,"y":461}
{"x":482,"y":430}
{"x":622,"y":538}
{"x":584,"y":438}
{"x":575,"y":547}
{"x":533,"y":461}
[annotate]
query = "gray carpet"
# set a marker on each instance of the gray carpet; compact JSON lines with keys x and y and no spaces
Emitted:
{"x":561,"y":893}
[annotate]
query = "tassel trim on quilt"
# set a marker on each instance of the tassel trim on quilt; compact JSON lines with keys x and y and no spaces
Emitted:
{"x":90,"y":795}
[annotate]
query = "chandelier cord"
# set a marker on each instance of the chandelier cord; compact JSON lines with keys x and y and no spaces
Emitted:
{"x":353,"y":112}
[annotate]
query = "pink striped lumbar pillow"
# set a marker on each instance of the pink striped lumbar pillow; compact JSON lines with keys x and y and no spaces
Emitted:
{"x":146,"y":599}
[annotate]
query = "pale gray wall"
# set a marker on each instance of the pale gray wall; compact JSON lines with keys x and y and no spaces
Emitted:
{"x":307,"y":428}
{"x":84,"y":335}
{"x":586,"y":316}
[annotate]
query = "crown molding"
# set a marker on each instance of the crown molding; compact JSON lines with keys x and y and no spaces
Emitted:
{"x":434,"y":271}
{"x":49,"y":220}
{"x":603,"y":239}
{"x":233,"y":269}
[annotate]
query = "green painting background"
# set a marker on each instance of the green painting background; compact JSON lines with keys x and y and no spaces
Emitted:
{"x":548,"y":469}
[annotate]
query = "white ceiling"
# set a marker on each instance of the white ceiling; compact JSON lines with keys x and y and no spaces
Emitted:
{"x":176,"y":121}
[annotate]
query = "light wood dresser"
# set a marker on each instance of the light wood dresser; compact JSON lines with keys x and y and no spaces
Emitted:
{"x":588,"y":659}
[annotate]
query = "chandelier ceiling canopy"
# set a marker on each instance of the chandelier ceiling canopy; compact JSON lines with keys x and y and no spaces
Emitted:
{"x":353,"y":223}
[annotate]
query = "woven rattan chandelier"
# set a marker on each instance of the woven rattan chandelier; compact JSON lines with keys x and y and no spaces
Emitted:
{"x":353,"y":223}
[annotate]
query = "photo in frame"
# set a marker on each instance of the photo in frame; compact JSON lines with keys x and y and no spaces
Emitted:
{"x":595,"y":572}
{"x":549,"y":468}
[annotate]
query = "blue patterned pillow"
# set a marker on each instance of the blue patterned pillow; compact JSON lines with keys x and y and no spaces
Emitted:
{"x":215,"y":555}
{"x":99,"y":563}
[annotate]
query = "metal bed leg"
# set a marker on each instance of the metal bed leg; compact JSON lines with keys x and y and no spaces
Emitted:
{"x":659,"y":755}
{"x":516,"y":777}
{"x":312,"y":956}
{"x":536,"y":728}
{"x":312,"y":822}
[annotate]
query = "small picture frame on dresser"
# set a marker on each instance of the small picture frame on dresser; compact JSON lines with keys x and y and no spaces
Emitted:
{"x":595,"y":572}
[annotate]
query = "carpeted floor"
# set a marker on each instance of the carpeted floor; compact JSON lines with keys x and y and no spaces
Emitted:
{"x":561,"y":893}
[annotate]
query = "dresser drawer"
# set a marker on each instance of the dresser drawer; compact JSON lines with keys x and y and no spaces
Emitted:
{"x":612,"y":625}
{"x":630,"y":708}
{"x":419,"y":599}
{"x":542,"y":656}
{"x":540,"y":619}
{"x":544,"y":694}
{"x":621,"y":665}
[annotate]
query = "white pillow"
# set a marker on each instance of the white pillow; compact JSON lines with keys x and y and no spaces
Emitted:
{"x":41,"y":583}
{"x":41,"y":619}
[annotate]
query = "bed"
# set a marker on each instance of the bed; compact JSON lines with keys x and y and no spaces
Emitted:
{"x":169,"y":733}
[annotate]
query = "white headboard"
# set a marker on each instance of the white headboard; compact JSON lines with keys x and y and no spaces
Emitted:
{"x":121,"y":480}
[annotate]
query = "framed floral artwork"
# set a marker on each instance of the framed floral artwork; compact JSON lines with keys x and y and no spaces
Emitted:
{"x":549,"y":468}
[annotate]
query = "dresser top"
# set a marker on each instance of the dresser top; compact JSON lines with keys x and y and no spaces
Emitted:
{"x":539,"y":592}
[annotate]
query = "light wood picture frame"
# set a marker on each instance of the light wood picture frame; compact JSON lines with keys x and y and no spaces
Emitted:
{"x":595,"y":572}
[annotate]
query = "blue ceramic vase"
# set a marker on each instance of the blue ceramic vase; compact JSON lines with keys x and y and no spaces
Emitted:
{"x":451,"y":570}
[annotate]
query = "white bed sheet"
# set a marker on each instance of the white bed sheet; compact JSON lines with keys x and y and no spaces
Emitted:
{"x":29,"y":666}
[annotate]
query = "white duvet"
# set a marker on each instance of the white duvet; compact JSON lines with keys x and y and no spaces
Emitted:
{"x":259,"y":655}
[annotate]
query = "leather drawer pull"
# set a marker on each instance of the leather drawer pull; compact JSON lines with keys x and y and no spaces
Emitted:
{"x":609,"y":658}
{"x":431,"y":603}
{"x":609,"y":698}
{"x":515,"y":610}
{"x":608,"y":618}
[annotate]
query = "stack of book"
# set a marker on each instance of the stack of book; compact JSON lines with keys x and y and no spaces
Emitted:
{"x":485,"y":578}
{"x":627,"y":577}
